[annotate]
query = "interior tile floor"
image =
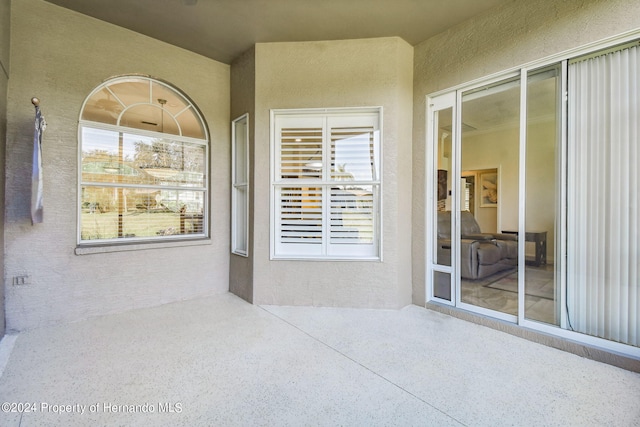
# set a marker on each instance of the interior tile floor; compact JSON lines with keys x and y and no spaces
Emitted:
{"x":219,"y":361}
{"x":540,"y":308}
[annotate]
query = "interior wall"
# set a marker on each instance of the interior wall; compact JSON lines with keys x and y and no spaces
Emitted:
{"x":243,"y":82}
{"x":495,"y":150}
{"x":5,"y":15}
{"x":67,"y":57}
{"x":502,"y":38}
{"x":348,"y":73}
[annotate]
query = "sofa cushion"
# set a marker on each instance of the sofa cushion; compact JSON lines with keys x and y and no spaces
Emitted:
{"x":489,"y":253}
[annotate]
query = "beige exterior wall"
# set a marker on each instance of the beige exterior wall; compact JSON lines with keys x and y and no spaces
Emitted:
{"x":5,"y":19}
{"x":243,"y":89}
{"x":60,"y":56}
{"x":503,"y":38}
{"x":350,"y":73}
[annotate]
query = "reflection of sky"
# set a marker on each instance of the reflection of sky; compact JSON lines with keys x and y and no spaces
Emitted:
{"x":107,"y":140}
{"x":354,"y":154}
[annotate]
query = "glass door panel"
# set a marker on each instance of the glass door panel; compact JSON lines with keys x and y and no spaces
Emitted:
{"x":489,"y":156}
{"x":543,"y":169}
{"x":440,"y":196}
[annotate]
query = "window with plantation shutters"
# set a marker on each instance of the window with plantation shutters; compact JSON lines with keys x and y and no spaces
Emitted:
{"x":326,"y":183}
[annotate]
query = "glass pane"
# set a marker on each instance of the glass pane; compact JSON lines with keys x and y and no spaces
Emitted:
{"x":109,"y":156}
{"x":301,"y":215}
{"x":489,"y":159}
{"x":301,"y":153}
{"x":352,"y":219}
{"x":117,"y":212}
{"x":352,"y":154}
{"x":141,"y":103}
{"x":442,"y":186}
{"x":165,"y":161}
{"x":240,"y":151}
{"x":102,"y":107}
{"x":240,"y":219}
{"x":542,"y":302}
{"x":150,"y":117}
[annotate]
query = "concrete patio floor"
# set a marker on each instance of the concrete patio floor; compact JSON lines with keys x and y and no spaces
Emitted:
{"x":218,"y":361}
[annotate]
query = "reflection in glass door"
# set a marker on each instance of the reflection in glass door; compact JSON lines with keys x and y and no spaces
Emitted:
{"x":543,"y":169}
{"x":489,"y":152}
{"x":493,"y":198}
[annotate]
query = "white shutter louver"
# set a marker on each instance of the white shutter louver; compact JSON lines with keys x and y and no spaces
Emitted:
{"x":326,"y":184}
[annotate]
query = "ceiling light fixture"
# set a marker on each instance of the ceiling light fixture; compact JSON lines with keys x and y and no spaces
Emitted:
{"x":162,"y":170}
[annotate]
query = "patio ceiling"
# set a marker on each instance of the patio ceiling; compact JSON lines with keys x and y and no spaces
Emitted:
{"x":223,"y":29}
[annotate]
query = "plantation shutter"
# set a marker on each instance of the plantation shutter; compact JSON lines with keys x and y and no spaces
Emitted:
{"x":352,"y":164}
{"x":326,"y":185}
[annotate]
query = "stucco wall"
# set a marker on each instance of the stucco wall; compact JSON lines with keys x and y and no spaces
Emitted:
{"x":60,"y":56}
{"x":503,"y":38}
{"x":243,"y":83}
{"x":5,"y":19}
{"x":348,"y":73}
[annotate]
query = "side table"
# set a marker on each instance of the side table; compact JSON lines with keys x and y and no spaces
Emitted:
{"x":539,"y":238}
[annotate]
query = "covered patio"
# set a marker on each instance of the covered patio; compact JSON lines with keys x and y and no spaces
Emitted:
{"x":221,"y":361}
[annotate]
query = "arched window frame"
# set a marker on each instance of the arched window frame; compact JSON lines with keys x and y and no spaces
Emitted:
{"x":146,"y":159}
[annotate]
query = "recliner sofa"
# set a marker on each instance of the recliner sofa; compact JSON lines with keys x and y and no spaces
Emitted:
{"x":481,"y":254}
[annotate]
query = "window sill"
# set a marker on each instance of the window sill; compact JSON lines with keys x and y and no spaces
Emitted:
{"x":332,"y":259}
{"x":101,"y":249}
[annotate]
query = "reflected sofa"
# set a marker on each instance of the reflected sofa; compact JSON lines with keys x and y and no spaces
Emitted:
{"x":481,"y":254}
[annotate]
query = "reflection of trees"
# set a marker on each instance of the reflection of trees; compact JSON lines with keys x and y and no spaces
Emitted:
{"x":97,"y":155}
{"x":162,"y":153}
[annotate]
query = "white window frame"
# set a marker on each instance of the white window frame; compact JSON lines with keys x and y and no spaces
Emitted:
{"x":88,"y":246}
{"x":371,"y":251}
{"x":240,"y":186}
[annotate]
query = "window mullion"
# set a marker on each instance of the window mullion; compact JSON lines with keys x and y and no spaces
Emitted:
{"x":326,"y":189}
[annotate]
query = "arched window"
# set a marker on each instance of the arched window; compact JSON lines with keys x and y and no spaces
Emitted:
{"x":144,"y":153}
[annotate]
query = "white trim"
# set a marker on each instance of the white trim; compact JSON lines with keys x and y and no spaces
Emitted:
{"x":235,"y":186}
{"x":141,"y":132}
{"x":325,"y":250}
{"x":102,"y":247}
{"x":522,"y":164}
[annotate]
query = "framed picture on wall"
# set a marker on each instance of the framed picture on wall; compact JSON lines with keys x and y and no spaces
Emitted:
{"x":488,"y":189}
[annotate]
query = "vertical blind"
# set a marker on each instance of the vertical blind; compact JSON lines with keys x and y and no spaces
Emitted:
{"x":603,"y":233}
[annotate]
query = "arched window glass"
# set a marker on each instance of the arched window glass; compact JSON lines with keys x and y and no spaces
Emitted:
{"x":143,"y":164}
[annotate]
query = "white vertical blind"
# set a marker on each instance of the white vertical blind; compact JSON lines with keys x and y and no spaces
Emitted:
{"x":603,"y":205}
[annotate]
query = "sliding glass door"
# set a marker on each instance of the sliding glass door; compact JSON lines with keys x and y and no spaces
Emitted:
{"x":488,"y":219}
{"x":533,"y":198}
{"x":495,"y":184}
{"x":543,"y":195}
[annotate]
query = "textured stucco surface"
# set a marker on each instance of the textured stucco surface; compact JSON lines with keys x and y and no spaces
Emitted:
{"x":5,"y":19}
{"x":61,"y":63}
{"x":243,"y":90}
{"x":348,"y":73}
{"x":501,"y":39}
